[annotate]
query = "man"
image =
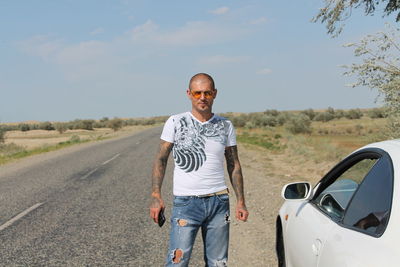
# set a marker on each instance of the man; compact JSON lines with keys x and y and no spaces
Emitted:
{"x":199,"y":140}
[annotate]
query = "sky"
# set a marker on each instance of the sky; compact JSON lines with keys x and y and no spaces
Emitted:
{"x":69,"y":59}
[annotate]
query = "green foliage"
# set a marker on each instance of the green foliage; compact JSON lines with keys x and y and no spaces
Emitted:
{"x":353,"y":114}
{"x":2,"y":135}
{"x":23,"y":127}
{"x":324,"y":116}
{"x":299,"y":124}
{"x":260,"y":140}
{"x":48,"y":126}
{"x":376,"y":113}
{"x":380,"y":69}
{"x":336,"y":11}
{"x":115,"y":124}
{"x":61,"y":127}
{"x":309,"y":113}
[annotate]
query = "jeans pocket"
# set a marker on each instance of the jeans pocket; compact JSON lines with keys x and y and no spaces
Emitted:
{"x":181,"y":201}
{"x":223,"y":198}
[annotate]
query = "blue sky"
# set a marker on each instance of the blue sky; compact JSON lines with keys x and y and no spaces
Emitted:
{"x":68,"y":59}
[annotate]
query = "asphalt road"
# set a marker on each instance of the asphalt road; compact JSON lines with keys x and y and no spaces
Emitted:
{"x":85,"y":206}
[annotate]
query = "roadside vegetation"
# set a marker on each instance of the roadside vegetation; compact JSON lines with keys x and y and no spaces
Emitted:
{"x":304,"y":144}
{"x":18,"y":140}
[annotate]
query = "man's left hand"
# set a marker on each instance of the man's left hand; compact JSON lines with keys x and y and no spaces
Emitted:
{"x":241,"y":212}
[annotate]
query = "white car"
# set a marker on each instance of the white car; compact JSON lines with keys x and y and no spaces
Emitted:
{"x":350,"y":218}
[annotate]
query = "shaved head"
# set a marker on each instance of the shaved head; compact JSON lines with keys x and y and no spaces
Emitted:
{"x":201,"y":77}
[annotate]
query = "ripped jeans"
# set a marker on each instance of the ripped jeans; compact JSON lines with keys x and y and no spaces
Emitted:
{"x":190,"y":213}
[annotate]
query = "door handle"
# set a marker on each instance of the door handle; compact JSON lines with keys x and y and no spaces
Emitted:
{"x":316,"y":247}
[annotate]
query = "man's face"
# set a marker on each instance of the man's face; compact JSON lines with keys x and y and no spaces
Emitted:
{"x":202,"y":95}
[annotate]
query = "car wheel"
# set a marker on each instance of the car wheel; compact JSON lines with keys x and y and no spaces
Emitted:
{"x":280,"y":248}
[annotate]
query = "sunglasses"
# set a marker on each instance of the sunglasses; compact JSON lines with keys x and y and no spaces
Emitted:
{"x":207,"y":94}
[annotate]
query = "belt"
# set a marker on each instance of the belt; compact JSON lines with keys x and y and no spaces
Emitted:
{"x":222,"y":192}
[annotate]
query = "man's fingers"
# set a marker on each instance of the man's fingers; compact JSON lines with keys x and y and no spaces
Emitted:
{"x":242,"y":214}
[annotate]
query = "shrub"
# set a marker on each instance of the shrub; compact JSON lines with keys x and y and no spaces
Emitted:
{"x":48,"y":126}
{"x":115,"y":124}
{"x":354,"y":114}
{"x":61,"y":127}
{"x":299,"y":124}
{"x":24,"y":127}
{"x":2,"y":135}
{"x":271,"y":112}
{"x":324,"y":116}
{"x":376,"y":113}
{"x":309,"y":112}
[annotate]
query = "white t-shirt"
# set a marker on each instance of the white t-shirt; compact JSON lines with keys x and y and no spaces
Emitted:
{"x":199,"y":149}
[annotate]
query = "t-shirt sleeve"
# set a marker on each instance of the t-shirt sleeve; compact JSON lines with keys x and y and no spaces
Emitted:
{"x":168,"y":132}
{"x":231,"y":135}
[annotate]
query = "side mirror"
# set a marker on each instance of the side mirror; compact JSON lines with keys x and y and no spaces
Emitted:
{"x":299,"y":191}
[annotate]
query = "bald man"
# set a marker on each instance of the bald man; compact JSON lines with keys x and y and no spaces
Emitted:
{"x":199,"y":141}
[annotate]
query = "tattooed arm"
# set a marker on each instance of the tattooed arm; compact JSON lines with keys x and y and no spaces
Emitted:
{"x":160,"y":164}
{"x":236,"y":178}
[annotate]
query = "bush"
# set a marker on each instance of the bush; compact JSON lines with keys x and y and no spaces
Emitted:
{"x":61,"y":127}
{"x":271,"y":112}
{"x":354,"y":114}
{"x":299,"y":124}
{"x":48,"y":126}
{"x":324,"y":116}
{"x":309,"y":113}
{"x":115,"y":124}
{"x":376,"y":113}
{"x":2,"y":135}
{"x":23,"y":127}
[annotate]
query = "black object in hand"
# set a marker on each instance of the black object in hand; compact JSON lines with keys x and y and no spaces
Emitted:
{"x":161,"y":218}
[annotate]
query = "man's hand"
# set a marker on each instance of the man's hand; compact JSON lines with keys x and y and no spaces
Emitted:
{"x":156,"y":205}
{"x":241,"y":212}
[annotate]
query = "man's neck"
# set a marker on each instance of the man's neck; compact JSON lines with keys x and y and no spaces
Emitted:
{"x":202,"y":116}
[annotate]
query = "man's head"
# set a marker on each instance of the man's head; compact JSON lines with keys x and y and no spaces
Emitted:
{"x":202,"y":92}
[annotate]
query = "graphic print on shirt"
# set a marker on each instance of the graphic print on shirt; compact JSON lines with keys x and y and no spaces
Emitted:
{"x":190,"y":139}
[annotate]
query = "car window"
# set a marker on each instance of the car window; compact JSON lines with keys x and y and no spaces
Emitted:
{"x":333,"y":200}
{"x":370,"y":207}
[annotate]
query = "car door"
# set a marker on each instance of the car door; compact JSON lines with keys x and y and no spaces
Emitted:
{"x":358,"y":238}
{"x":314,"y":220}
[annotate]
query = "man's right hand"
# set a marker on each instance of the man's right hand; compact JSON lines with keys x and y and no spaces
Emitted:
{"x":156,"y":205}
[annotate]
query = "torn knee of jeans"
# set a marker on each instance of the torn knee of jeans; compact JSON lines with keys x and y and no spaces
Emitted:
{"x":182,"y":222}
{"x":227,"y":218}
{"x":177,"y":255}
{"x":221,"y":263}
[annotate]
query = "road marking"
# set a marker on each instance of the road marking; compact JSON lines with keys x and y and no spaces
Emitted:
{"x":19,"y":216}
{"x":107,"y":161}
{"x":89,"y":173}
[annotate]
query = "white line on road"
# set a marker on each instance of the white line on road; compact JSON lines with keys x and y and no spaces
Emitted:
{"x":107,"y":161}
{"x":88,"y":174}
{"x":19,"y":216}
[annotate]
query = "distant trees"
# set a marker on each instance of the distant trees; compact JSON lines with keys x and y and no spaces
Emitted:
{"x":2,"y":135}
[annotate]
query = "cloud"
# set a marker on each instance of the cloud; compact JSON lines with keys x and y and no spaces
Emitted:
{"x":40,"y":45}
{"x":220,"y":11}
{"x":221,"y":59}
{"x":195,"y":33}
{"x":258,"y":21}
{"x":264,"y":71}
{"x":96,"y":31}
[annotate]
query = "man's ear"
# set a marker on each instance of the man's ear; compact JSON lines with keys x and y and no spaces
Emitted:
{"x":215,"y":93}
{"x":188,"y":93}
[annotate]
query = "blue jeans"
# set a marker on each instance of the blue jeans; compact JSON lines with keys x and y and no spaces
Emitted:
{"x":190,"y":213}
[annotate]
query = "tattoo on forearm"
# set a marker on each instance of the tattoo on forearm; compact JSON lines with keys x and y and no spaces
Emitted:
{"x":235,"y":171}
{"x":160,"y":164}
